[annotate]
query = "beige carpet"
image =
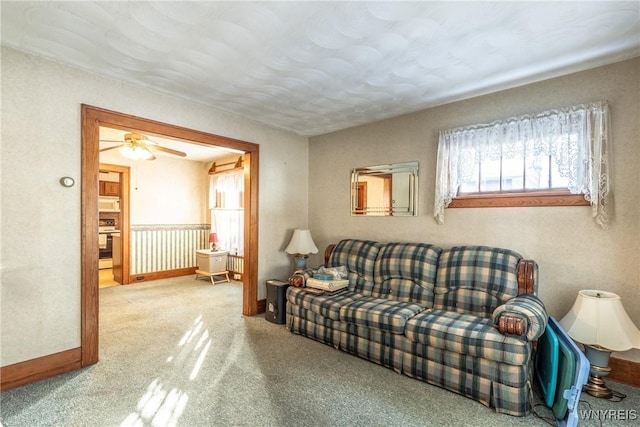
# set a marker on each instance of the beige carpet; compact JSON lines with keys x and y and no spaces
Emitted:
{"x":177,"y":352}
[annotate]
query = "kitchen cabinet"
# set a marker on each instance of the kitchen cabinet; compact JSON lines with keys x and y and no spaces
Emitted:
{"x":109,"y":188}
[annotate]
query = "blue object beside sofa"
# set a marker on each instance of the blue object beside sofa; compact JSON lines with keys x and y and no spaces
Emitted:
{"x":458,"y":318}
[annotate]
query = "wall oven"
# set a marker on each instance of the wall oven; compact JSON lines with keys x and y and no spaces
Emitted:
{"x":106,"y":245}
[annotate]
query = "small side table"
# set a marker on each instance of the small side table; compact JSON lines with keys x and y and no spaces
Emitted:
{"x":211,"y":275}
{"x":212,"y":264}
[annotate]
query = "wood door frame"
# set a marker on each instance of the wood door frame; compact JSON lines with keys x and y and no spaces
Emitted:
{"x":361,"y":197}
{"x":387,"y":190}
{"x":92,"y":119}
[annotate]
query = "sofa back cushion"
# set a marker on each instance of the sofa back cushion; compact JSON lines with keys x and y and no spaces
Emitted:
{"x":359,"y":256}
{"x":476,"y":279}
{"x":406,"y":272}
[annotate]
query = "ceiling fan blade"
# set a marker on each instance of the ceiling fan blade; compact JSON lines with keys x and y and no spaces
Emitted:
{"x":167,"y":150}
{"x":111,"y":148}
{"x":111,"y":140}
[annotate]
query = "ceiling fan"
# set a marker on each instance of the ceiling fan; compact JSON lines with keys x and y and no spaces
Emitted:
{"x":139,"y":147}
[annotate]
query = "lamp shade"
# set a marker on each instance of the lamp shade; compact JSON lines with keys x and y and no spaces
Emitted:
{"x":213,"y":238}
{"x":301,"y":243}
{"x":598,"y":318}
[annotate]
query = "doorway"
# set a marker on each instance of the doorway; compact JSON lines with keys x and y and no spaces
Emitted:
{"x":92,"y":119}
{"x":118,"y":270}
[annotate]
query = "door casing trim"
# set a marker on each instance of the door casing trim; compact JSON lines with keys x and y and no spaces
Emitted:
{"x":91,"y":120}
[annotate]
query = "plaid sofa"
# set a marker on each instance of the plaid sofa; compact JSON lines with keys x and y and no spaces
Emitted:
{"x":431,"y":314}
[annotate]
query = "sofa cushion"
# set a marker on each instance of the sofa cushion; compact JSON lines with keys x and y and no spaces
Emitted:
{"x":325,"y":305}
{"x":378,"y":313}
{"x":406,"y":272}
{"x":476,"y":279}
{"x":466,"y":334}
{"x":313,"y":325}
{"x":359,"y":256}
{"x":426,"y":361}
{"x":382,"y":347}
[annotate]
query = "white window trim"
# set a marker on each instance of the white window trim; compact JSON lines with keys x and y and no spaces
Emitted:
{"x":584,"y":151}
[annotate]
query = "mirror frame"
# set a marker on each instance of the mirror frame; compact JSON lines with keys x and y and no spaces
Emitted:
{"x":410,"y":168}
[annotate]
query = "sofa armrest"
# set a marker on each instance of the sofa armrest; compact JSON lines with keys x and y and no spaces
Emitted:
{"x":527,"y":272}
{"x":327,"y":253}
{"x":299,"y":277}
{"x":524,"y":316}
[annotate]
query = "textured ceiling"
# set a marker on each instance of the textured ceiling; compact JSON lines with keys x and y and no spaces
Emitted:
{"x":316,"y":67}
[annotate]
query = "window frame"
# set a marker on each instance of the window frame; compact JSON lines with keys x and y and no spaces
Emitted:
{"x":588,"y":168}
{"x":514,"y":199}
{"x":549,"y":196}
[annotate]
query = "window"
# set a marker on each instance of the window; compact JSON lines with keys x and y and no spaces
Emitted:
{"x":557,"y":157}
{"x":514,"y":174}
{"x":226,"y":198}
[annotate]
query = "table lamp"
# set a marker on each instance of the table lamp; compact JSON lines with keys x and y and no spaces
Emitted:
{"x":599,"y":322}
{"x":213,"y":239}
{"x":300,"y":246}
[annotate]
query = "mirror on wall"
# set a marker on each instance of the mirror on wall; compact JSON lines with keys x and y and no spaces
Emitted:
{"x":385,"y":190}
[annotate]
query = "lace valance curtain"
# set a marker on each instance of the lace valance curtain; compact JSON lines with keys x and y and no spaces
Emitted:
{"x":576,"y":137}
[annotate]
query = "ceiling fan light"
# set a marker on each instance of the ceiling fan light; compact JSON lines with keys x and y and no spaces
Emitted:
{"x":145,"y":154}
{"x":135,"y":152}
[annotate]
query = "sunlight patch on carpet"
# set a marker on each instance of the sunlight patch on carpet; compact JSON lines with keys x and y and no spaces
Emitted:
{"x":158,"y":407}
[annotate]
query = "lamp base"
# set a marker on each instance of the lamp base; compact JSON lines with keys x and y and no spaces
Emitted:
{"x":301,"y":261}
{"x":599,"y":360}
{"x":596,"y":387}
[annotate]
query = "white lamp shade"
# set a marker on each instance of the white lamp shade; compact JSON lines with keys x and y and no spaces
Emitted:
{"x":598,"y":318}
{"x":301,"y":243}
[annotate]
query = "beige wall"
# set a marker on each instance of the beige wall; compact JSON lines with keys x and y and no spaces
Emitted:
{"x":40,"y":219}
{"x":165,"y":190}
{"x":572,"y":252}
